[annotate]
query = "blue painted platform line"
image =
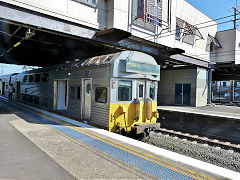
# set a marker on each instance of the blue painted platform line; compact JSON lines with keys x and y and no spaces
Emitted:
{"x":140,"y":160}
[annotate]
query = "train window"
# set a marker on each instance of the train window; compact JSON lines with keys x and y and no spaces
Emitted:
{"x":45,"y":77}
{"x":124,"y":90}
{"x":79,"y":93}
{"x":36,"y":100}
{"x":152,"y":90}
{"x":44,"y":102}
{"x":88,"y":88}
{"x":37,"y":78}
{"x":30,"y":98}
{"x":140,"y":91}
{"x":25,"y":78}
{"x":30,"y":78}
{"x":101,"y":94}
{"x":25,"y":97}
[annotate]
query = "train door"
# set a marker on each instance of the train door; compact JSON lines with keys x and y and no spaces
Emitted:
{"x":87,"y":98}
{"x":141,"y":95}
{"x":182,"y":94}
{"x":18,"y":90}
{"x":61,"y":93}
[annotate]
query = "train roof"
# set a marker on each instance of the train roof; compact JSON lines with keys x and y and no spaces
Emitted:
{"x":108,"y":59}
{"x":98,"y":61}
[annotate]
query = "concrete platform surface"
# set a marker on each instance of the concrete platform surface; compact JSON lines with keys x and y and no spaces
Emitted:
{"x":85,"y":153}
{"x":19,"y":157}
{"x":230,"y":112}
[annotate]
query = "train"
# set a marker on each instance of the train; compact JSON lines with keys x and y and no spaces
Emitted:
{"x":117,"y":92}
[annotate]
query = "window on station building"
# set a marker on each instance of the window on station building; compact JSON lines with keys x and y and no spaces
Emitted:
{"x":45,"y":77}
{"x":101,"y":94}
{"x":178,"y":33}
{"x":152,"y":90}
{"x":189,"y":39}
{"x":140,"y":8}
{"x":37,"y":78}
{"x":91,"y":2}
{"x":124,"y":90}
{"x":150,"y":11}
{"x":189,"y":32}
{"x":30,"y":78}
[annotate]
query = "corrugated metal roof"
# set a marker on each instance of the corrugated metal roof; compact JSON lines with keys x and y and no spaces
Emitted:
{"x":94,"y":61}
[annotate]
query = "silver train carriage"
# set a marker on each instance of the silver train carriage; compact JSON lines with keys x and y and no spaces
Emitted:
{"x":117,"y":91}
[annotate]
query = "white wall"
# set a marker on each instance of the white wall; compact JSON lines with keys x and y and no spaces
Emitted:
{"x":230,"y":42}
{"x":196,"y":77}
{"x":237,"y":47}
{"x":71,"y":10}
{"x":201,"y":87}
{"x":226,"y":54}
{"x":166,"y":88}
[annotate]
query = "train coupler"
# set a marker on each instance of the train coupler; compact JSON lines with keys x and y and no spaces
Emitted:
{"x":140,"y":128}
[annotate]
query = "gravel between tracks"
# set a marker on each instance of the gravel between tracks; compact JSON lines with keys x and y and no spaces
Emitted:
{"x":214,"y":155}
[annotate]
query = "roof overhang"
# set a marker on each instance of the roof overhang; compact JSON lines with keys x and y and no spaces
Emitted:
{"x":113,"y":34}
{"x":190,"y":60}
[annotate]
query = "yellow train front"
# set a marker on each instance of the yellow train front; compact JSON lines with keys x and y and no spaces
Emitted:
{"x":133,"y":101}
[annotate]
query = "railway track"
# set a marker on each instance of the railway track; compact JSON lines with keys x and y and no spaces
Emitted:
{"x":206,"y":141}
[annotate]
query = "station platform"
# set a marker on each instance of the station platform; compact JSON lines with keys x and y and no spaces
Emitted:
{"x":214,"y":121}
{"x":229,"y":112}
{"x":87,"y":152}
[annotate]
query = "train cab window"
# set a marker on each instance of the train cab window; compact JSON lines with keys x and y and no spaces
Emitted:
{"x":140,"y":90}
{"x":30,"y":78}
{"x":25,"y":78}
{"x":152,"y":90}
{"x":45,"y":77}
{"x":37,"y":78}
{"x":124,"y":90}
{"x":101,"y":94}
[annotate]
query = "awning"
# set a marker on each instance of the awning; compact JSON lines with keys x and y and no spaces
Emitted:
{"x":188,"y":28}
{"x":214,"y":41}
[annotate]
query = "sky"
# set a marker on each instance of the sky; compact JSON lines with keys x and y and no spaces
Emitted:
{"x":217,"y":9}
{"x":213,"y":8}
{"x":11,"y":68}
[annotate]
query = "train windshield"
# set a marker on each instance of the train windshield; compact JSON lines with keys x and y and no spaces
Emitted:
{"x":124,"y":90}
{"x":152,"y":90}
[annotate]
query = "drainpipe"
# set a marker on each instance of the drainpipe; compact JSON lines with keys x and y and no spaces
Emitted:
{"x":211,"y":68}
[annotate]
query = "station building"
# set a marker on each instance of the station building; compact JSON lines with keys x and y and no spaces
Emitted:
{"x":174,"y":32}
{"x":226,"y":73}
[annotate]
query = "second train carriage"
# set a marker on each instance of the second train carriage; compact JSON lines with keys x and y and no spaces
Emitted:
{"x":117,"y":91}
